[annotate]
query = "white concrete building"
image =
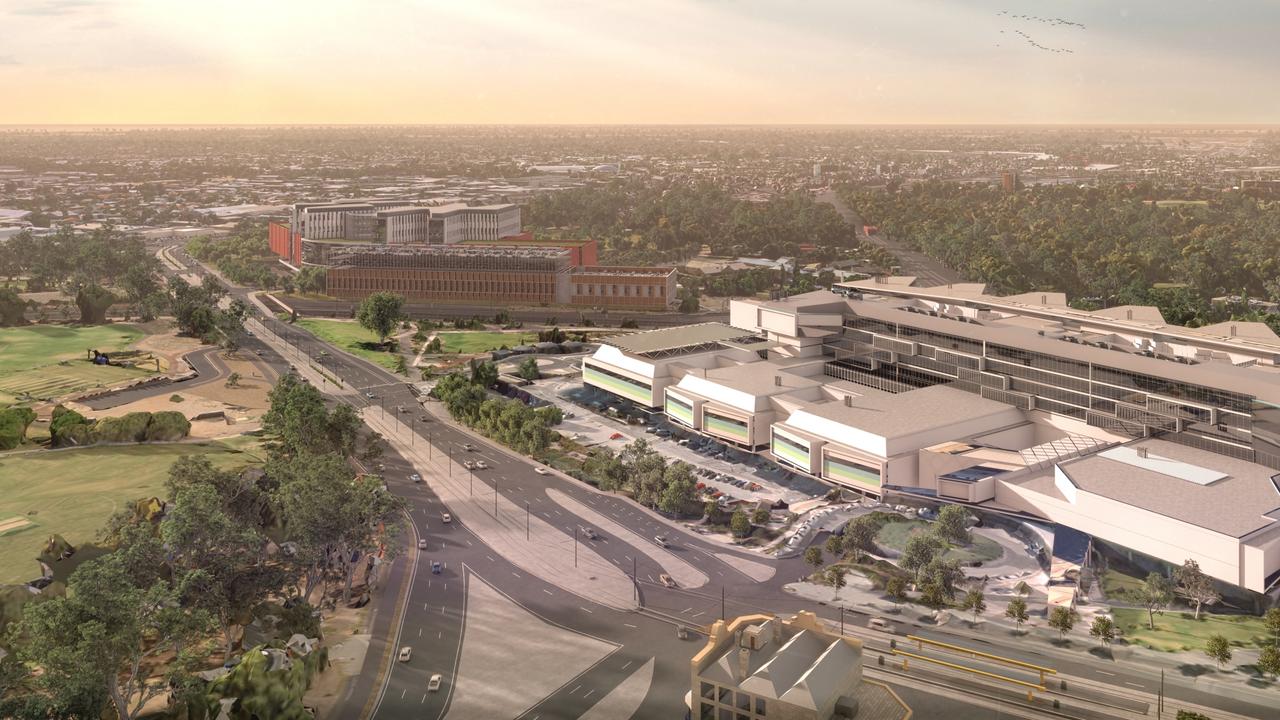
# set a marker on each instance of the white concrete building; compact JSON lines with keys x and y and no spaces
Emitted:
{"x":398,"y":222}
{"x":1158,"y":438}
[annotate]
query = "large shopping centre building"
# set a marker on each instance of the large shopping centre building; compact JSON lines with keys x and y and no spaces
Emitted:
{"x":1155,"y":437}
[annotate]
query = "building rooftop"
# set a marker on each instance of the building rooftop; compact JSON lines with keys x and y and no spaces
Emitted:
{"x":671,"y":340}
{"x":891,"y":415}
{"x":1212,"y":491}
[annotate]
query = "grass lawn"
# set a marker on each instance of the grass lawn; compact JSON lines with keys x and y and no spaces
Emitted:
{"x":895,"y":535}
{"x":73,"y":492}
{"x":479,"y":341}
{"x":30,"y":359}
{"x":1116,"y":583}
{"x":1180,"y":631}
{"x":353,"y":338}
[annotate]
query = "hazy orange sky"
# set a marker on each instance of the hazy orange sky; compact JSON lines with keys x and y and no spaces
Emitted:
{"x":637,"y":61}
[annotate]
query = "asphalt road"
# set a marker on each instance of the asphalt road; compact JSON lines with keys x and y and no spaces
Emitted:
{"x":435,"y":602}
{"x":913,"y":262}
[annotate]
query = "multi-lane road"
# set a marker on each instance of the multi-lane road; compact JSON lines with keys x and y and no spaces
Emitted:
{"x":429,"y":611}
{"x":911,"y":261}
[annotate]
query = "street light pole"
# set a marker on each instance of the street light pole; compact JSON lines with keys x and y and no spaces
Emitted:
{"x":575,"y":547}
{"x":635,"y":583}
{"x":842,"y":620}
{"x":526,"y":521}
{"x":495,"y":498}
{"x":450,"y":463}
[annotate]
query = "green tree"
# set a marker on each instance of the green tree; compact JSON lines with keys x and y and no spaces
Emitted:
{"x":760,"y":516}
{"x":96,"y":643}
{"x":1017,"y":611}
{"x":1062,"y":619}
{"x":681,"y":491}
{"x":974,"y":602}
{"x":233,"y":380}
{"x":896,"y":589}
{"x":1269,"y":660}
{"x":93,"y":300}
{"x":1155,"y":594}
{"x":740,"y":524}
{"x":836,"y":576}
{"x":920,"y":550}
{"x":835,"y":546}
{"x":528,"y":369}
{"x":379,"y":313}
{"x":1104,"y":629}
{"x":932,"y":596}
{"x":813,"y":557}
{"x":953,"y":525}
{"x":860,"y":534}
{"x":1271,"y":621}
{"x":1192,"y":584}
{"x":484,"y":374}
{"x":1219,"y":648}
{"x":945,"y":574}
{"x":606,"y":468}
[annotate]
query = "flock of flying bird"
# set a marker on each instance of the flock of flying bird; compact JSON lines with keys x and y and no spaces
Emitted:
{"x":1052,"y":22}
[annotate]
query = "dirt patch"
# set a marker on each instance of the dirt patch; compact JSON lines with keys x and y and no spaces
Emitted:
{"x":168,"y":346}
{"x":250,"y":392}
{"x":345,"y":634}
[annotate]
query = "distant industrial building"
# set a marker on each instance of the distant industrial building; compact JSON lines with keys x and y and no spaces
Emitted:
{"x":461,"y":254}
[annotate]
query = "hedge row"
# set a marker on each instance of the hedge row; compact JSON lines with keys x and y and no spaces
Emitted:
{"x":69,"y":428}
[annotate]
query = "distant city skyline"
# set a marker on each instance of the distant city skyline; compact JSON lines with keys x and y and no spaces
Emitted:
{"x":659,"y":61}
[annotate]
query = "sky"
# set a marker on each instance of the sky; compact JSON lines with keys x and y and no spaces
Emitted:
{"x":637,"y":61}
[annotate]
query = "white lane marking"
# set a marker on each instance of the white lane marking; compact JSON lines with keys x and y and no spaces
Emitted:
{"x":546,"y":591}
{"x":1133,"y":684}
{"x":575,"y":689}
{"x":513,"y":572}
{"x":584,"y":697}
{"x":490,"y":558}
{"x":633,"y":627}
{"x":685,"y":610}
{"x":697,"y":614}
{"x":442,"y":607}
{"x":424,"y":698}
{"x":624,"y":667}
{"x":468,"y":542}
{"x":1104,"y":672}
{"x":419,"y":632}
{"x":402,"y":692}
{"x":584,"y":610}
{"x":440,"y":635}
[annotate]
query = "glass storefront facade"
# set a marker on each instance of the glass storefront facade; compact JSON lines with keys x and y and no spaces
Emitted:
{"x":679,"y":410}
{"x":628,"y":388}
{"x":725,"y":426}
{"x":850,"y":472}
{"x":791,"y":449}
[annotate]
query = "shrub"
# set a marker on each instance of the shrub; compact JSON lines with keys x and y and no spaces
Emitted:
{"x":130,"y":428}
{"x":14,"y":422}
{"x":69,"y":428}
{"x":175,"y":398}
{"x":167,"y":425}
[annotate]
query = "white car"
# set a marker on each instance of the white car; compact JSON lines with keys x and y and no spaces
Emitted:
{"x":446,"y":518}
{"x":542,"y":471}
{"x":482,"y":465}
{"x":406,"y":652}
{"x":416,"y":478}
{"x":434,"y":683}
{"x":422,"y":543}
{"x":661,"y":540}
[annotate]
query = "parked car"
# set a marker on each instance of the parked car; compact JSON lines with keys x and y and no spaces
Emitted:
{"x":666,"y":580}
{"x":406,"y":653}
{"x":651,"y":430}
{"x":434,"y":683}
{"x":616,"y":436}
{"x":542,"y":471}
{"x":369,"y":395}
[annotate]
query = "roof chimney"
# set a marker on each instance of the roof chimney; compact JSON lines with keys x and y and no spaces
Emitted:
{"x":1128,"y":314}
{"x":744,"y":663}
{"x":1142,"y":452}
{"x":1044,"y":299}
{"x":848,"y":401}
{"x":1233,"y":330}
{"x":777,"y":380}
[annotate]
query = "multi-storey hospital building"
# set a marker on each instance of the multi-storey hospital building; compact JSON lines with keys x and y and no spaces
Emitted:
{"x":1156,"y":437}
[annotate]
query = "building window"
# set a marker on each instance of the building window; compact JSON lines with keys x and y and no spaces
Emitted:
{"x":744,"y":701}
{"x":708,"y":712}
{"x":726,"y":696}
{"x":760,"y":706}
{"x":708,"y":691}
{"x":726,"y":714}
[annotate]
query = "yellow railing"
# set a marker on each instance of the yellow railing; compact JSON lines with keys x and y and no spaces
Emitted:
{"x":921,"y":642}
{"x":908,"y":656}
